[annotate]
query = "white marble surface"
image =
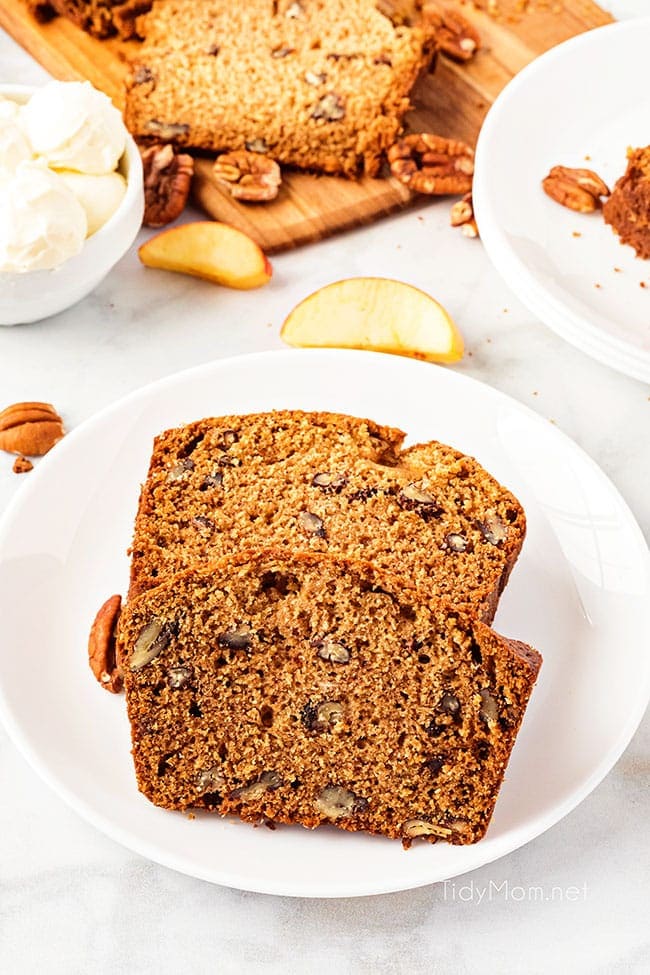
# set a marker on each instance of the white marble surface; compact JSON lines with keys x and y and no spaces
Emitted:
{"x":72,"y":901}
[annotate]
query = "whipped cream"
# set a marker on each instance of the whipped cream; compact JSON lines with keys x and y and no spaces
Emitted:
{"x":100,"y":196}
{"x":9,"y":109}
{"x":14,"y":146}
{"x":73,"y":126}
{"x":42,"y":223}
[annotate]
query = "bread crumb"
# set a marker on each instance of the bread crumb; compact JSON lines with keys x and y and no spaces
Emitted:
{"x":596,"y":285}
{"x":587,"y":158}
{"x":618,"y":270}
{"x":576,"y":233}
{"x":642,"y":284}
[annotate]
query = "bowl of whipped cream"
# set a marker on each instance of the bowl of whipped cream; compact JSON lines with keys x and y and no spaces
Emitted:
{"x":71,"y":196}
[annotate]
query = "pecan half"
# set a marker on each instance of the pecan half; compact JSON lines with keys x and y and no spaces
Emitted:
{"x":249,"y":176}
{"x":101,"y":646}
{"x":167,"y":180}
{"x":428,"y":163}
{"x":167,"y":131}
{"x":455,"y":35}
{"x":30,"y":428}
{"x":462,"y":215}
{"x":577,"y":189}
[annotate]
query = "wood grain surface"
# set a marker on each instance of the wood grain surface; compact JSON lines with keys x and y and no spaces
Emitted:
{"x":452,"y":101}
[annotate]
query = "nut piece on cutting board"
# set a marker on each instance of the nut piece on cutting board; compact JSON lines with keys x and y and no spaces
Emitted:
{"x":249,"y":176}
{"x":376,"y":314}
{"x":209,"y":250}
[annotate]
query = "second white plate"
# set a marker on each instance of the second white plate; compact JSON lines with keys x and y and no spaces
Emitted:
{"x":581,"y":104}
{"x":580,"y":593}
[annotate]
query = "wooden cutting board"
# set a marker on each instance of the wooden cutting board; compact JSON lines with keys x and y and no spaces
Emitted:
{"x":452,"y":102}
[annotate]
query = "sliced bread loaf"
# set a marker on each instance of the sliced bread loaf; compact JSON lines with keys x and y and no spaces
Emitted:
{"x":318,"y":84}
{"x":324,"y":482}
{"x":306,"y":689}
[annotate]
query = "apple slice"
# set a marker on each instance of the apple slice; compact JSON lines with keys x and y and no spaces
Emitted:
{"x":376,"y":314}
{"x":210,"y":250}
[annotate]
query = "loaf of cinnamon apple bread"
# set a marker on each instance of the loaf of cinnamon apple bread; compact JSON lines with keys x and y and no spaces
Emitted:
{"x":307,"y":689}
{"x":324,"y":482}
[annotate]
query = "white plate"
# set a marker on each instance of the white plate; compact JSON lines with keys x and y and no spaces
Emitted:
{"x":580,"y":593}
{"x":587,"y":97}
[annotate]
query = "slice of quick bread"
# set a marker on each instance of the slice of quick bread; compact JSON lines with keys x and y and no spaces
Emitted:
{"x":324,"y":482}
{"x":318,"y":84}
{"x":307,"y":689}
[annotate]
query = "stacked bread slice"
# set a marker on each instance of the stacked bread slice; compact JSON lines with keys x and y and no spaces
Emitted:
{"x":305,"y":638}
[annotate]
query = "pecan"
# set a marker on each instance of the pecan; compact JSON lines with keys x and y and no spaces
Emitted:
{"x":22,"y":465}
{"x":455,"y":35}
{"x":428,"y":163}
{"x":167,"y":131}
{"x":314,"y":78}
{"x":294,"y":11}
{"x":143,"y":76}
{"x":331,"y":107}
{"x":256,"y":145}
{"x":42,"y":11}
{"x":167,"y":179}
{"x":248,"y":175}
{"x":577,"y":189}
{"x":101,"y":646}
{"x":30,"y":428}
{"x":462,"y":215}
{"x":282,"y":52}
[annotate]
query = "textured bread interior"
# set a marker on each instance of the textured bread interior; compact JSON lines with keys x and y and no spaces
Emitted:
{"x":306,"y":689}
{"x":319,"y":84}
{"x":628,"y":208}
{"x":323,"y":482}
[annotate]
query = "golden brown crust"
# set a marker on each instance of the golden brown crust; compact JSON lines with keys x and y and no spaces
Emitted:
{"x":299,"y":688}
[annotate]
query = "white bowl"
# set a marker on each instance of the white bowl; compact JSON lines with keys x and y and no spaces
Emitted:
{"x":38,"y":294}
